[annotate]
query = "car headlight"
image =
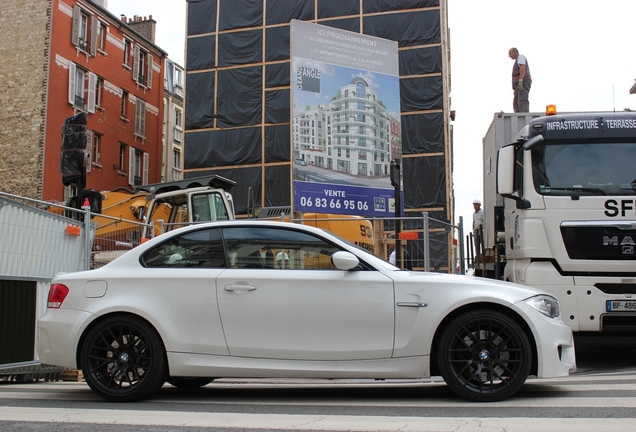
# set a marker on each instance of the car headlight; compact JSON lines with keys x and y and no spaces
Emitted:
{"x":547,"y":305}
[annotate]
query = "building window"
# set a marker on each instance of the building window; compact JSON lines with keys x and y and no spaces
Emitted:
{"x":360,"y":105}
{"x":84,"y":30}
{"x":77,"y":85}
{"x":128,"y":52}
{"x":346,"y":93}
{"x":124,"y":103}
{"x":96,"y":149}
{"x":176,"y":159}
{"x":102,"y":31}
{"x":360,"y":89}
{"x":361,"y":130}
{"x":122,"y":157}
{"x":362,"y":169}
{"x":177,"y":117}
{"x":99,"y":92}
{"x":142,"y":68}
{"x":177,"y":125}
{"x":140,"y":118}
{"x":178,"y":77}
{"x":138,"y":168}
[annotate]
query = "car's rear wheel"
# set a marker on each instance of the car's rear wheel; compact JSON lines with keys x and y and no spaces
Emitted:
{"x":484,"y":356}
{"x":123,"y":359}
{"x":189,"y":383}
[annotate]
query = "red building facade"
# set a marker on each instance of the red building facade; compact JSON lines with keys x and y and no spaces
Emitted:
{"x":111,"y":69}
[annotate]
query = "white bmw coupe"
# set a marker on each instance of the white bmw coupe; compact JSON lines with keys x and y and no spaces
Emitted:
{"x":212,"y":300}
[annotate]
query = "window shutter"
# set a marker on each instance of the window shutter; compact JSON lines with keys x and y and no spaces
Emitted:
{"x":137,"y":117}
{"x":71,"y":83}
{"x":149,"y":79}
{"x":143,"y":119}
{"x":131,"y":166}
{"x":92,"y":86}
{"x":89,"y":150}
{"x":77,"y":14}
{"x":135,"y":71}
{"x":146,"y":163}
{"x":94,"y":28}
{"x":140,"y":118}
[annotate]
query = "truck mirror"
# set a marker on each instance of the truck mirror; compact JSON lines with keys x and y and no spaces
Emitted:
{"x":505,"y":170}
{"x":533,"y":142}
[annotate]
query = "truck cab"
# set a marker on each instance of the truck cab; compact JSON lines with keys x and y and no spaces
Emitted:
{"x":569,"y":215}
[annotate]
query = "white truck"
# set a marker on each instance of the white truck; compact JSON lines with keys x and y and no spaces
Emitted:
{"x":560,"y":212}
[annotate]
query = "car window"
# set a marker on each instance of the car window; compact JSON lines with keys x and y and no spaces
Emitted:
{"x":202,"y":248}
{"x":274,"y":248}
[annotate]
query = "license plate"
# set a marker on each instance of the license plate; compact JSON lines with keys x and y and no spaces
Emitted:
{"x":620,"y":306}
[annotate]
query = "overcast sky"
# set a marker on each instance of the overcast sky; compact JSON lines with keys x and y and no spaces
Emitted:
{"x":580,"y":53}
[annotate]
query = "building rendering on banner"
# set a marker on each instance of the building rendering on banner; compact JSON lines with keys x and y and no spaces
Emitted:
{"x":352,"y":134}
{"x":71,"y":56}
{"x":242,"y":121}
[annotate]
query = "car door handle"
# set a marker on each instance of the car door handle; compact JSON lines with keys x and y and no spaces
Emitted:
{"x":232,"y":287}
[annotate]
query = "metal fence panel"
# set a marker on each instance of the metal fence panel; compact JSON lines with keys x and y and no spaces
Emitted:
{"x":34,"y":243}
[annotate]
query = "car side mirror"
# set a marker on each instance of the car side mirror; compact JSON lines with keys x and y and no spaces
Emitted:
{"x":343,"y":260}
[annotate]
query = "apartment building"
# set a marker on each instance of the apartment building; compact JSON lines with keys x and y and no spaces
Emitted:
{"x":172,"y":122}
{"x":68,"y":56}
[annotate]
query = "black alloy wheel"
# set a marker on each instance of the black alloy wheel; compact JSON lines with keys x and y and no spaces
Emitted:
{"x":484,"y":356}
{"x":123,"y":359}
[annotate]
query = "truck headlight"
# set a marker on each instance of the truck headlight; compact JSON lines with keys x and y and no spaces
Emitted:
{"x":547,"y":305}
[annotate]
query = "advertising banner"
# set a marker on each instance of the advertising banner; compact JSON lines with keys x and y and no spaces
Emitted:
{"x":345,"y":120}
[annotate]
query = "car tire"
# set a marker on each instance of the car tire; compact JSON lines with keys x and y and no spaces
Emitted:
{"x":484,"y":356}
{"x":123,"y":359}
{"x":189,"y":383}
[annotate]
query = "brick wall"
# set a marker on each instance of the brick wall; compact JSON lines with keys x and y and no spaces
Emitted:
{"x":24,"y":45}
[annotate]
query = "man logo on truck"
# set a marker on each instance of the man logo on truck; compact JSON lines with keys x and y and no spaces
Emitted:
{"x":627,"y":243}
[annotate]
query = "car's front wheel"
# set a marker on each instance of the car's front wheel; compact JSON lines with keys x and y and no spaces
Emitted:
{"x":484,"y":356}
{"x":123,"y":359}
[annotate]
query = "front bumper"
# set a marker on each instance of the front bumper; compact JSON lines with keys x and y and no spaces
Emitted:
{"x":556,"y":356}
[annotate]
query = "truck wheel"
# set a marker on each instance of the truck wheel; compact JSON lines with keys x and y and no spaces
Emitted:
{"x":189,"y":383}
{"x":123,"y":359}
{"x":484,"y":356}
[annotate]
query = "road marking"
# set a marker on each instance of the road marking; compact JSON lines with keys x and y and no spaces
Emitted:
{"x":303,"y":422}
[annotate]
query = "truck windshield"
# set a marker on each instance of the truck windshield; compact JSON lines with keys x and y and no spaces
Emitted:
{"x":570,"y":168}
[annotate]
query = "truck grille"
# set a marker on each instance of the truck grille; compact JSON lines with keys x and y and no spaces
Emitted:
{"x":599,"y":242}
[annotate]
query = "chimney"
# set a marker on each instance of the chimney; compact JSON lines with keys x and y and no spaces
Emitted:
{"x":143,"y":26}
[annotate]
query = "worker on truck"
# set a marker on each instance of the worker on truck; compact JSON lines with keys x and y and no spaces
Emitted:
{"x":521,"y":81}
{"x":478,"y":225}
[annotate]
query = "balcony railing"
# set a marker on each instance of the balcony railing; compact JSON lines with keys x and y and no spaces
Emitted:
{"x":79,"y":102}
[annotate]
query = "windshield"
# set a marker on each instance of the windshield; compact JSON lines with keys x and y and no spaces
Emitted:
{"x":584,"y":168}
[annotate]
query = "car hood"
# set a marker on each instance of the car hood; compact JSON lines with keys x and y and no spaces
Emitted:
{"x":508,"y":292}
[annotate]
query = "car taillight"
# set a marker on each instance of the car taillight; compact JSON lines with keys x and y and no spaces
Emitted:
{"x":57,"y":294}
